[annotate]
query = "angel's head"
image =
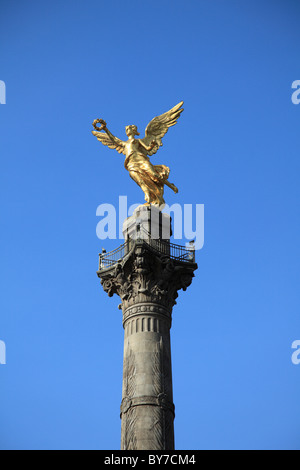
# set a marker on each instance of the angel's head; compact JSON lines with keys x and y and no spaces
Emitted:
{"x":131,"y":131}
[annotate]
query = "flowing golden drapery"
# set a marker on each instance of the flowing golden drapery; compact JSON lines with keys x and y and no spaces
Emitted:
{"x":151,"y":178}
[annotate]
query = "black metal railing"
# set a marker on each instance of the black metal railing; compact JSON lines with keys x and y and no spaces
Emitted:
{"x":176,"y":252}
{"x":106,"y":260}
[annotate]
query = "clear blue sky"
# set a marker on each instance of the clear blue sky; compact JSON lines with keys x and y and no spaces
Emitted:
{"x":235,"y":149}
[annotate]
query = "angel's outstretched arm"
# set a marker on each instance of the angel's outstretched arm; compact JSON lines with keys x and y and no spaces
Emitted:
{"x":111,"y":136}
{"x":114,"y":139}
{"x":106,"y":137}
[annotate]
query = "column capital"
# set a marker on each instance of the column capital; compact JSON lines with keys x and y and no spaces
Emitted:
{"x":147,"y":275}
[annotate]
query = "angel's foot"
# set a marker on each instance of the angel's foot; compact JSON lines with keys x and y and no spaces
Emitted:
{"x":172,"y":186}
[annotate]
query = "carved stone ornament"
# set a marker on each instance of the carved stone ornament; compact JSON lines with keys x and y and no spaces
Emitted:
{"x":147,"y":276}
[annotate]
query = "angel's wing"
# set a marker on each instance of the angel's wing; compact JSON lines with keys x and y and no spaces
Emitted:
{"x":159,"y":126}
{"x":112,"y":143}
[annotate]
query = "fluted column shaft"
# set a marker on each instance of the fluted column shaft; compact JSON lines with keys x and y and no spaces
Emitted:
{"x":147,"y":408}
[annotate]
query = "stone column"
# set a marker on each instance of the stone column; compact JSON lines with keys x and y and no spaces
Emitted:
{"x":147,"y":409}
{"x":147,"y":279}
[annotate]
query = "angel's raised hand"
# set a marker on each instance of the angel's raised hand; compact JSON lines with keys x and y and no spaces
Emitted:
{"x":100,"y":121}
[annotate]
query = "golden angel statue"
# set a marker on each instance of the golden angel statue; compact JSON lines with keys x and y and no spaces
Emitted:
{"x":151,"y":178}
